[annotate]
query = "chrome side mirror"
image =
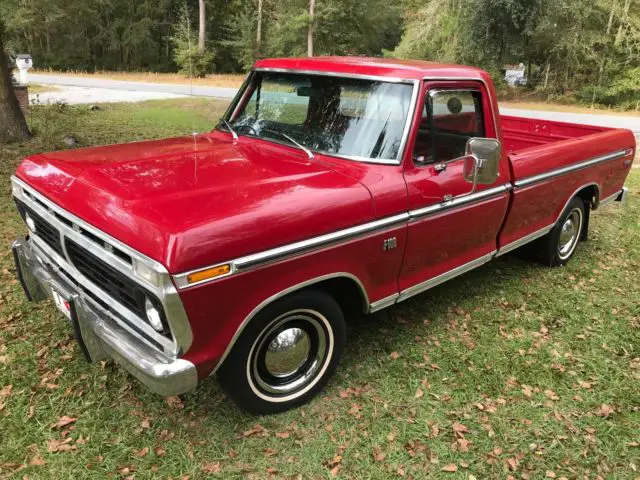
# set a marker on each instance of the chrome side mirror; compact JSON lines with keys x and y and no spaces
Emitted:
{"x":487,"y":153}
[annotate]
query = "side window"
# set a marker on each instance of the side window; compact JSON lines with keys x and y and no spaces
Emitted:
{"x":449,"y":119}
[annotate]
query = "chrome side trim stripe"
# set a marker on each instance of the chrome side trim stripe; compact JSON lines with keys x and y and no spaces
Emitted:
{"x":524,"y":240}
{"x":383,"y":303}
{"x":284,"y":251}
{"x":293,"y":248}
{"x":432,"y":282}
{"x":456,"y":202}
{"x":280,"y":253}
{"x":572,"y":168}
{"x":613,"y":198}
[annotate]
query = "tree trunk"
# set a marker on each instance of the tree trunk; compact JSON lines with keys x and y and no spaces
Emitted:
{"x":623,"y":21}
{"x":259,"y":30}
{"x":12,"y":123}
{"x":202,"y":33}
{"x":312,"y":6}
{"x":546,"y":76}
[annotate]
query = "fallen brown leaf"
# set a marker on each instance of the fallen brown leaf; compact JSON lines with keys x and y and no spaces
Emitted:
{"x":63,"y":422}
{"x":459,"y":428}
{"x":282,"y":435}
{"x":32,"y":411}
{"x":419,"y":393}
{"x":378,"y":454}
{"x":174,"y":402}
{"x":394,"y":355}
{"x":37,"y":461}
{"x":141,"y":453}
{"x":257,"y":430}
{"x":605,"y":410}
{"x":512,"y":463}
{"x":211,"y":467}
{"x":451,"y":468}
{"x":355,"y":410}
{"x":464,"y":444}
{"x":551,"y":395}
{"x":54,"y":445}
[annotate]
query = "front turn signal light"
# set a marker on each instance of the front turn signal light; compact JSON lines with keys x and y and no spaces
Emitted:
{"x":208,"y":273}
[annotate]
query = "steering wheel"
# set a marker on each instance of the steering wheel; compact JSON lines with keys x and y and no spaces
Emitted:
{"x":247,"y":128}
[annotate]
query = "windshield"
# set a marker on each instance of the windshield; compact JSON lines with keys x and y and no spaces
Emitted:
{"x":354,"y":118}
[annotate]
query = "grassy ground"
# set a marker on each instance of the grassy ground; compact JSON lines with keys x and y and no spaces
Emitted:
{"x":511,"y":371}
{"x":35,"y":88}
{"x":212,"y":80}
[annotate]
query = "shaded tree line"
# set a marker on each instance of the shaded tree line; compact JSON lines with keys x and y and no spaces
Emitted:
{"x":588,"y":49}
{"x":149,"y":34}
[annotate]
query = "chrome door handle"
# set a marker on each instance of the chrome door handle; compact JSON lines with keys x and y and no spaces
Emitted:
{"x":440,"y":167}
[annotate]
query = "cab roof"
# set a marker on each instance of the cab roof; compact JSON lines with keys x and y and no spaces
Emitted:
{"x":373,"y":66}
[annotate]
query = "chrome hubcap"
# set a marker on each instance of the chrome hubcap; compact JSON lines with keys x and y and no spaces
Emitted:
{"x":287,"y":352}
{"x":569,"y":234}
{"x":290,"y":353}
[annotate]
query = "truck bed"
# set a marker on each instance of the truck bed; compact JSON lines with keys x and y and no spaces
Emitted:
{"x":551,"y":162}
{"x":521,"y":133}
{"x":536,"y":147}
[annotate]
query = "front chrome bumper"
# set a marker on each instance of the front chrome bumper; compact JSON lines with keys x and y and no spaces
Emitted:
{"x":98,"y":335}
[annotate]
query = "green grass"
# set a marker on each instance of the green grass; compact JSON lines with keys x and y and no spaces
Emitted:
{"x":480,"y":351}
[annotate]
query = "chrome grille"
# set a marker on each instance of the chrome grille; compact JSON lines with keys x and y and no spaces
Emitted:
{"x":48,"y":233}
{"x":105,"y":270}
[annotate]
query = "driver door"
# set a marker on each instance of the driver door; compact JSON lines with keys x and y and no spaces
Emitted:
{"x":453,"y":225}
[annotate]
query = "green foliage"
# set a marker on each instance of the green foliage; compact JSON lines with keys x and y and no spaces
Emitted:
{"x":191,"y":61}
{"x":592,"y":48}
{"x":240,"y":29}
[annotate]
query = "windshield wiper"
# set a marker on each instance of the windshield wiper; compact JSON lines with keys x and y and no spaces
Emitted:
{"x":297,"y":144}
{"x":231,"y":130}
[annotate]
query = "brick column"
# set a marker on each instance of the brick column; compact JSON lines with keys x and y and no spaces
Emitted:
{"x":22,"y":93}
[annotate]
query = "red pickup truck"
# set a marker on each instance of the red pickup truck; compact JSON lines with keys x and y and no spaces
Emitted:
{"x":331,"y":186}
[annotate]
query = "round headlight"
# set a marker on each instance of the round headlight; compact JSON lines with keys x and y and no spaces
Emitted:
{"x":30,"y":223}
{"x":153,"y":316}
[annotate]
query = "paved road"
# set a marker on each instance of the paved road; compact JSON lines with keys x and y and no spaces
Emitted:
{"x":217,"y":92}
{"x":630,"y":122}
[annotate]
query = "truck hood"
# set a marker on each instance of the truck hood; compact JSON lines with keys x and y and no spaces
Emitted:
{"x":188,"y":202}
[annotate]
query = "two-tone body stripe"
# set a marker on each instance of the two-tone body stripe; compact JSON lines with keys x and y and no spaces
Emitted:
{"x":297,"y":248}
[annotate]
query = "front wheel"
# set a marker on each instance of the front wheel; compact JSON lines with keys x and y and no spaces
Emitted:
{"x":558,"y":246}
{"x":286,"y":354}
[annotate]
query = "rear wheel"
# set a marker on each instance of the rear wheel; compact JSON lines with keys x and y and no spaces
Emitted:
{"x":286,"y":354}
{"x":558,"y":246}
